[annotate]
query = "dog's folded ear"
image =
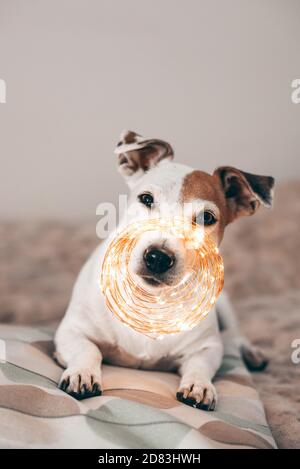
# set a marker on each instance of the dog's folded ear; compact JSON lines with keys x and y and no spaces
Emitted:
{"x":138,"y":154}
{"x":244,"y":192}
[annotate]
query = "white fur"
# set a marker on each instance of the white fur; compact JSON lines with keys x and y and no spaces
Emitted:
{"x":89,"y":331}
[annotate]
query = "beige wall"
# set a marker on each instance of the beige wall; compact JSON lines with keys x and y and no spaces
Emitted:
{"x":212,"y":77}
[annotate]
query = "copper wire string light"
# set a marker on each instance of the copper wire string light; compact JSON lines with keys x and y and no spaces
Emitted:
{"x":171,"y":309}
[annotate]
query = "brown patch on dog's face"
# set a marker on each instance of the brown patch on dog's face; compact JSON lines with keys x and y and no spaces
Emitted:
{"x":234,"y":192}
{"x":203,"y":186}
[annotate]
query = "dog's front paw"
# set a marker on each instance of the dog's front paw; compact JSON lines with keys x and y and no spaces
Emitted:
{"x":202,"y":395}
{"x":81,"y":383}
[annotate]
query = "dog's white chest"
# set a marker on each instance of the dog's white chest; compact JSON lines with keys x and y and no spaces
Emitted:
{"x":126,"y":347}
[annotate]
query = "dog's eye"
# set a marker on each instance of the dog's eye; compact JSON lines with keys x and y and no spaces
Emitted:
{"x":205,"y":218}
{"x":146,"y":199}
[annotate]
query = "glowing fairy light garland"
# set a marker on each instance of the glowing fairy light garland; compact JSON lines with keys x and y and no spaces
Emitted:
{"x":171,"y":309}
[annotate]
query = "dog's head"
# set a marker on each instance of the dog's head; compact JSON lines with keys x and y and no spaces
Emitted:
{"x":160,"y":187}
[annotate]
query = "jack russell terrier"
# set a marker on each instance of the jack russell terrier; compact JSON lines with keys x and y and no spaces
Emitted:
{"x":89,"y":333}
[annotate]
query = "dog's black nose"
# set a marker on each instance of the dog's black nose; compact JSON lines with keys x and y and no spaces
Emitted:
{"x":158,"y":261}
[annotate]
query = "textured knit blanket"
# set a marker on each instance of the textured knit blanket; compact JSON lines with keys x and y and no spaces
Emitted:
{"x":138,"y":409}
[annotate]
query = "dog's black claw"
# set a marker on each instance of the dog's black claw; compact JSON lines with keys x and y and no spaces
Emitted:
{"x":192,"y":402}
{"x":84,"y":391}
{"x":76,"y":395}
{"x":186,"y":400}
{"x":260,"y":367}
{"x":254,"y":358}
{"x":202,"y":406}
{"x":213,"y":405}
{"x":256,"y":367}
{"x":96,"y":391}
{"x":64,"y":384}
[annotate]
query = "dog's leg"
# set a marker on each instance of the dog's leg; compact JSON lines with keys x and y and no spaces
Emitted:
{"x":82,"y":359}
{"x":254,"y":358}
{"x":197,"y":371}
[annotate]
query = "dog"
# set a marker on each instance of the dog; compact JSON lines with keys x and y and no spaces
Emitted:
{"x":89,"y":334}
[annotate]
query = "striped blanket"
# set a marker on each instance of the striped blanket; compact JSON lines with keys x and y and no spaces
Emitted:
{"x":138,"y":409}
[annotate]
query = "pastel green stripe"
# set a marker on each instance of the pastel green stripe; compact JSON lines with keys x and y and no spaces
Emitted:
{"x":20,"y":375}
{"x":243,"y":423}
{"x":133,"y":425}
